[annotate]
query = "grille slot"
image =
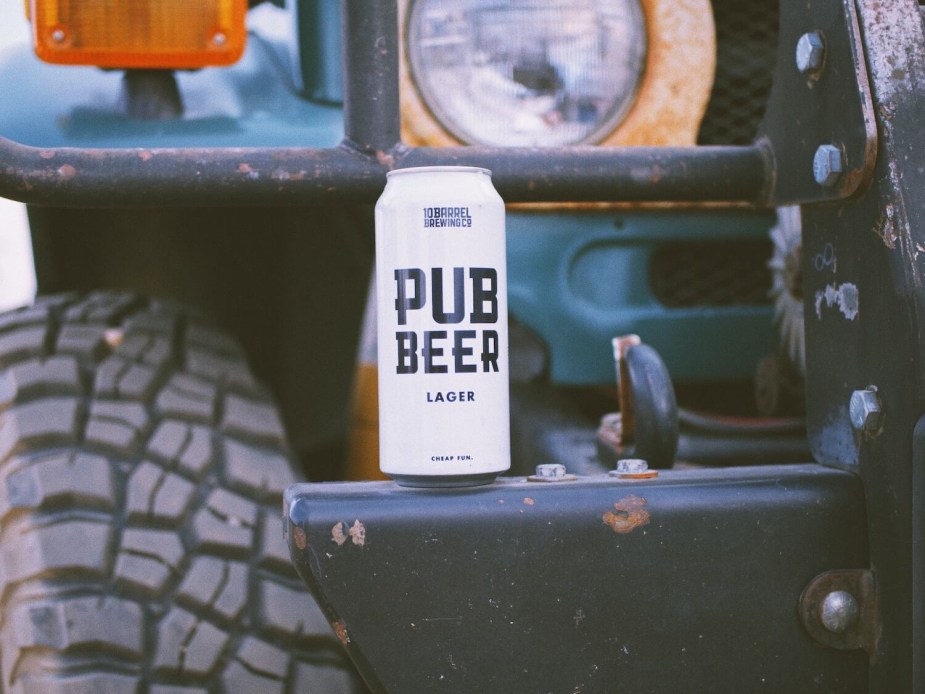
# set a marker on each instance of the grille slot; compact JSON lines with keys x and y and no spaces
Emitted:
{"x":730,"y":273}
{"x":746,"y":52}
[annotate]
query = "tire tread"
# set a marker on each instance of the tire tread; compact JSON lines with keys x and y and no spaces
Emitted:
{"x":141,"y":473}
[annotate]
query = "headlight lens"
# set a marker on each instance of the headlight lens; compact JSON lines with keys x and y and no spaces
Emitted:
{"x":527,"y":73}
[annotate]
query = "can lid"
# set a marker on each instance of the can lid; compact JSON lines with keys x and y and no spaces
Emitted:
{"x":439,"y":169}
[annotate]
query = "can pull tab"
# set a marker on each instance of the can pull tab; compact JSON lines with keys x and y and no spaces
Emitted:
{"x":647,"y":425}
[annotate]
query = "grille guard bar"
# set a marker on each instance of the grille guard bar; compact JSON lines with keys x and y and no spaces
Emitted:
{"x":355,"y":170}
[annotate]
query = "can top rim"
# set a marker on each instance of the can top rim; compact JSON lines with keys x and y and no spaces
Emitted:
{"x":439,"y":169}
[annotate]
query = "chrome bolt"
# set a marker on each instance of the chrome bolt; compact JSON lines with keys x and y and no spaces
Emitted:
{"x":865,"y":411}
{"x":551,"y":472}
{"x":810,"y":53}
{"x":58,"y":35}
{"x":828,"y":165}
{"x":633,"y":469}
{"x":631,"y":466}
{"x":839,"y":611}
{"x":219,"y":39}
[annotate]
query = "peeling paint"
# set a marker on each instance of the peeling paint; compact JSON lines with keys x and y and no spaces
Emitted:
{"x":341,"y":630}
{"x":629,"y":513}
{"x":528,"y":501}
{"x":843,"y":296}
{"x":357,"y":533}
{"x":67,"y":172}
{"x":338,"y":534}
{"x":886,"y":227}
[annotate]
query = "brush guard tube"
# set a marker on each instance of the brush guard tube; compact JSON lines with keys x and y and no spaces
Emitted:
{"x":355,"y":170}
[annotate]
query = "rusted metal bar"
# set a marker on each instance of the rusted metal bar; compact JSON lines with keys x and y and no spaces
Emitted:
{"x":356,"y":169}
{"x":370,"y":39}
{"x":263,"y":176}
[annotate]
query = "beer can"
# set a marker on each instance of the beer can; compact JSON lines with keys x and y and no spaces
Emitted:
{"x":441,"y":277}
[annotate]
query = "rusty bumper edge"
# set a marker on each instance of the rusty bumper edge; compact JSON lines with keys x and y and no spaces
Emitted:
{"x":650,"y":583}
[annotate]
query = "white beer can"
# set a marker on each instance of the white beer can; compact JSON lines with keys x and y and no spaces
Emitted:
{"x":441,"y":277}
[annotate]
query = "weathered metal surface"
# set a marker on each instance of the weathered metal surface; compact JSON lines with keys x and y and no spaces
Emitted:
{"x":370,"y":40}
{"x":687,"y":582}
{"x":865,"y":326}
{"x":76,"y":178}
{"x":829,"y":105}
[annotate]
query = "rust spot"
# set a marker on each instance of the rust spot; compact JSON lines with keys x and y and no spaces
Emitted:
{"x":145,"y":155}
{"x":358,"y":533}
{"x":528,"y":501}
{"x":113,"y":337}
{"x":385,"y":159}
{"x":47,"y":154}
{"x":67,"y":171}
{"x":244,"y":168}
{"x":298,"y":536}
{"x":338,"y":534}
{"x":341,"y":630}
{"x":628,"y":514}
{"x":886,"y":229}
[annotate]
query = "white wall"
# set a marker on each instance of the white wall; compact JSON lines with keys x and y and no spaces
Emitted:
{"x":17,"y":275}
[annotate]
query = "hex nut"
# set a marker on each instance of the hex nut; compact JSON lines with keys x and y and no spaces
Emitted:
{"x":810,"y":53}
{"x":631,"y":465}
{"x":828,"y":165}
{"x":865,"y":410}
{"x":551,"y":472}
{"x":633,"y":469}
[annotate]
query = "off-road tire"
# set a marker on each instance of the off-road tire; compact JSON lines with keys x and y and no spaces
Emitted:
{"x":141,"y":548}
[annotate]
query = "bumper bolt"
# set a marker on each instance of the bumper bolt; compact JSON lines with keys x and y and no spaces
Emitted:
{"x":839,"y":611}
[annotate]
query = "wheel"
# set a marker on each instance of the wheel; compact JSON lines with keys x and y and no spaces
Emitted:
{"x":141,"y":475}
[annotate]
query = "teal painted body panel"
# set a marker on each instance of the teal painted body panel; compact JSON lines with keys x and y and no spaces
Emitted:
{"x":578,"y":279}
{"x":251,"y":104}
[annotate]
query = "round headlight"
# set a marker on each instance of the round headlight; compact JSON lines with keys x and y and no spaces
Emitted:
{"x":533,"y":72}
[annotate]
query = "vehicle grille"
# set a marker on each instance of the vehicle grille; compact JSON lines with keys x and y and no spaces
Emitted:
{"x":683,"y":275}
{"x":746,"y":52}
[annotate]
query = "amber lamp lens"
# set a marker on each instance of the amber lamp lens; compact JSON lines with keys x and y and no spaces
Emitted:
{"x":139,"y":33}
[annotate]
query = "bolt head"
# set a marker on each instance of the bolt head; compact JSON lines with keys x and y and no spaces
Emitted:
{"x":810,"y":53}
{"x":828,"y":165}
{"x":550,"y":470}
{"x":631,"y":466}
{"x":865,"y":411}
{"x":839,"y":611}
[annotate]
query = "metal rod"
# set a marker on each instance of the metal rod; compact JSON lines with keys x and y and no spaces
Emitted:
{"x":612,"y":174}
{"x":263,"y":176}
{"x":370,"y":39}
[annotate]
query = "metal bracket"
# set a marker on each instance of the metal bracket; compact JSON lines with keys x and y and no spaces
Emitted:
{"x":519,"y":586}
{"x":839,"y":609}
{"x":820,"y":116}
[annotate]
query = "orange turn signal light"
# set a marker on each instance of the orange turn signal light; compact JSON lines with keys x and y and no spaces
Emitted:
{"x":174,"y":34}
